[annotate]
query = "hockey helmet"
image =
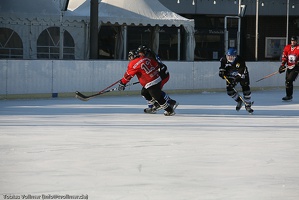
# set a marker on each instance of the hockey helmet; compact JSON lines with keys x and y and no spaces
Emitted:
{"x":132,"y":54}
{"x":142,"y":49}
{"x":231,"y":54}
{"x":294,"y":38}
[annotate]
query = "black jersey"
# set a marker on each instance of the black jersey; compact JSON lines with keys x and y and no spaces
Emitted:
{"x":234,"y":69}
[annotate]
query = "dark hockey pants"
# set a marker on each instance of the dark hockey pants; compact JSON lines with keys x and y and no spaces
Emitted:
{"x":291,"y":76}
{"x":245,"y":89}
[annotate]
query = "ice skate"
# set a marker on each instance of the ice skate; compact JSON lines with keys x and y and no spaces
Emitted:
{"x":150,"y":110}
{"x":239,"y":105}
{"x":166,"y":113}
{"x":248,"y":107}
{"x":172,"y":103}
{"x":287,"y":98}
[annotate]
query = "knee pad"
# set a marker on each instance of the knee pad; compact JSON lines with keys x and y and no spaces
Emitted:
{"x":231,"y":93}
{"x":247,"y":94}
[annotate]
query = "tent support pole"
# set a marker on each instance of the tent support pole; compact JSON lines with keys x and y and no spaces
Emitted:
{"x":179,"y":44}
{"x":125,"y":41}
{"x":94,"y":20}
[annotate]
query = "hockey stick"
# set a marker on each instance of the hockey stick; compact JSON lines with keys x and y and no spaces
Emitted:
{"x":247,"y":104}
{"x":82,"y":97}
{"x":79,"y":94}
{"x":268,"y":76}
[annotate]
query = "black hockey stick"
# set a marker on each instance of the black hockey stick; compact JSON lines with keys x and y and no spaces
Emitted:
{"x":247,"y":104}
{"x":79,"y":94}
{"x":82,"y":97}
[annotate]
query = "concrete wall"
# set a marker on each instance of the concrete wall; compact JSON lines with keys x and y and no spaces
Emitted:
{"x":59,"y":77}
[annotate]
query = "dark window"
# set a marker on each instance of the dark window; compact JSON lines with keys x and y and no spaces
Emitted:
{"x":209,"y":36}
{"x":168,"y":40}
{"x":48,"y":44}
{"x":10,"y":44}
{"x":109,"y":41}
{"x":107,"y":35}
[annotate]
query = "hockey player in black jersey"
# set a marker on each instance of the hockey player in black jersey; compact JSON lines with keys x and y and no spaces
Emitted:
{"x":233,"y":68}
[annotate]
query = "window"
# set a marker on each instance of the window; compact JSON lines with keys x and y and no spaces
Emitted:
{"x":274,"y":47}
{"x":168,"y":40}
{"x":107,"y":36}
{"x":48,"y":44}
{"x":209,"y":37}
{"x":138,"y":35}
{"x":168,"y":46}
{"x":10,"y":44}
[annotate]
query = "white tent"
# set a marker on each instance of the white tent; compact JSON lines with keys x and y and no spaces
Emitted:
{"x":28,"y":18}
{"x":140,"y":12}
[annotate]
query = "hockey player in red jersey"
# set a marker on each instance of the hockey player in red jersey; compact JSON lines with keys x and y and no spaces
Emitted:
{"x":290,"y":64}
{"x":147,"y":72}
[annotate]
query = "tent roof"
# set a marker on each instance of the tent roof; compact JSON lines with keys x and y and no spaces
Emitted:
{"x":41,"y":10}
{"x":138,"y":12}
{"x":144,"y":12}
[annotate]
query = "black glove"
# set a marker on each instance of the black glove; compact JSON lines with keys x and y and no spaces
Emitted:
{"x":222,"y":73}
{"x":282,"y":69}
{"x":240,"y":78}
{"x":121,"y":86}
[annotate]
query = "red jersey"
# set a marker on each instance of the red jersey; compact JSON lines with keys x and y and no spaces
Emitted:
{"x":145,"y":69}
{"x":290,"y":56}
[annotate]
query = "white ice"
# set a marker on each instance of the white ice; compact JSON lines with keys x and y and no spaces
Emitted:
{"x":108,"y":149}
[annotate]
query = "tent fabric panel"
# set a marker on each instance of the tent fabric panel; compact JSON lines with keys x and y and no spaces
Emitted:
{"x":138,"y":12}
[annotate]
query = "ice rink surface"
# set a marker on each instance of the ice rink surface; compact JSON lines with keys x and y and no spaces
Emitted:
{"x":108,"y":149}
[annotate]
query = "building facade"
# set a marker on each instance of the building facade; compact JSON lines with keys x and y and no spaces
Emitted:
{"x":265,"y":26}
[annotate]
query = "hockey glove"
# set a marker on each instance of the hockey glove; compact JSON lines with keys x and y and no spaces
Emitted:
{"x":121,"y":86}
{"x":222,"y":73}
{"x":239,"y":77}
{"x":282,"y":69}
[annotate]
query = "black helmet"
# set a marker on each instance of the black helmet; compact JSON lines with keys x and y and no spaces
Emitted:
{"x":294,"y":38}
{"x":132,"y":54}
{"x":142,"y":49}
